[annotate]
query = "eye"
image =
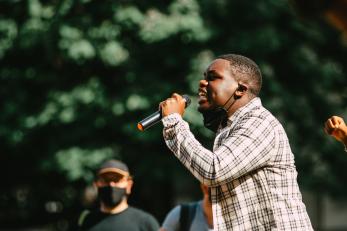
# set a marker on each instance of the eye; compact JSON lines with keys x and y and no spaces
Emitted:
{"x":101,"y":181}
{"x":211,"y":76}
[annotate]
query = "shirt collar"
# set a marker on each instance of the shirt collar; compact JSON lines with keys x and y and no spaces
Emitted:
{"x":256,"y":102}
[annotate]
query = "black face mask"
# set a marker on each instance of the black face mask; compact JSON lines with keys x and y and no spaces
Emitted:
{"x":215,"y":117}
{"x":111,"y":196}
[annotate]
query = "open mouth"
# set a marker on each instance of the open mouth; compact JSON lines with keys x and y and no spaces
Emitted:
{"x":202,"y":97}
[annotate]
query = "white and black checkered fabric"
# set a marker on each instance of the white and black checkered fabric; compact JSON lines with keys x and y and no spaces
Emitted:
{"x":251,"y":171}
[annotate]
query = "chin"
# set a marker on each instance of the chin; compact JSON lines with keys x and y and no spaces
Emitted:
{"x":204,"y":107}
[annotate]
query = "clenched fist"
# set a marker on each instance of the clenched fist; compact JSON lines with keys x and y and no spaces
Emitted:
{"x":336,"y":127}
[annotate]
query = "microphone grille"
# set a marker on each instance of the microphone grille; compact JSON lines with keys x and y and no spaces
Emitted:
{"x":187,"y":99}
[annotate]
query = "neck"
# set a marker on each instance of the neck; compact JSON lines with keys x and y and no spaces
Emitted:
{"x":207,"y":208}
{"x":113,"y":210}
{"x":238,"y":104}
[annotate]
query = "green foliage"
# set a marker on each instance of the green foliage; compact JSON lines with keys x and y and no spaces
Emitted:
{"x":77,"y":76}
{"x":8,"y":31}
{"x":183,"y":16}
{"x":77,"y":163}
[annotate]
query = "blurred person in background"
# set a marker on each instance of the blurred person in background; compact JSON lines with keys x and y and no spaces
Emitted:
{"x":251,"y":171}
{"x":336,"y":127}
{"x":195,"y":216}
{"x":114,"y":184}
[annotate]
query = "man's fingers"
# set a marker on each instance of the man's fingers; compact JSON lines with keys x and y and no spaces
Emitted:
{"x":325,"y":130}
{"x":172,"y":105}
{"x":179,"y":98}
{"x":336,"y":120}
{"x":333,"y":124}
{"x":329,"y":127}
{"x":171,"y":100}
{"x":161,"y":105}
{"x":176,"y":96}
{"x":326,"y":126}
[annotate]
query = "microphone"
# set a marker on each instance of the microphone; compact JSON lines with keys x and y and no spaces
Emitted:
{"x":156,"y":117}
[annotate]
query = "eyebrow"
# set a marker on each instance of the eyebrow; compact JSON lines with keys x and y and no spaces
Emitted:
{"x":212,"y":72}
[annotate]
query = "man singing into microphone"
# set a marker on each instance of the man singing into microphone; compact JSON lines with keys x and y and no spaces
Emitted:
{"x":251,"y":170}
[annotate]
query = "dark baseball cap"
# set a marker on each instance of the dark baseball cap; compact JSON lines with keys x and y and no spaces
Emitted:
{"x":113,"y":166}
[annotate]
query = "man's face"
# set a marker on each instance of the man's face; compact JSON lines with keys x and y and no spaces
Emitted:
{"x":217,"y":86}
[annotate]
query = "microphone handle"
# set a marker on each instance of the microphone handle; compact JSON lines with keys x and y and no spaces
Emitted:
{"x":149,"y":121}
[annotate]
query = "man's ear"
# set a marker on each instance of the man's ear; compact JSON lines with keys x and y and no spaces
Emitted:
{"x":129,"y":186}
{"x":95,"y":184}
{"x":241,"y":90}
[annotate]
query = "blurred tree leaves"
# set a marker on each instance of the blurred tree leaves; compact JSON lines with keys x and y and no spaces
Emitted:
{"x":77,"y":76}
{"x":77,"y":163}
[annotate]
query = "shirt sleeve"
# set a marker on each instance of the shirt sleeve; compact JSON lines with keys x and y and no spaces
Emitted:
{"x":151,"y":224}
{"x":171,"y":222}
{"x":247,"y":147}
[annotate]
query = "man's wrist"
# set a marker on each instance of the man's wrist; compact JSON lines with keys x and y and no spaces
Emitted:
{"x":171,"y":119}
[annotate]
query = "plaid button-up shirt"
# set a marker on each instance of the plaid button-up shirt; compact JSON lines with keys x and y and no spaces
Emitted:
{"x":251,"y":170}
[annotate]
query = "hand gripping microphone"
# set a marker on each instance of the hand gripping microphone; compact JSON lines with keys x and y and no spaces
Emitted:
{"x":156,"y":117}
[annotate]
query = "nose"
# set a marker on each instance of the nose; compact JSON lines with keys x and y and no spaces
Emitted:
{"x":109,"y":183}
{"x":203,"y":83}
{"x":112,"y":184}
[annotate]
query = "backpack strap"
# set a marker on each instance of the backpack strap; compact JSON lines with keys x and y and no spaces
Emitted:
{"x":82,"y":217}
{"x":187,"y":215}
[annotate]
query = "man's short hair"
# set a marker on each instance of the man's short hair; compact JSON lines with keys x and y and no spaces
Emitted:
{"x":246,"y":70}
